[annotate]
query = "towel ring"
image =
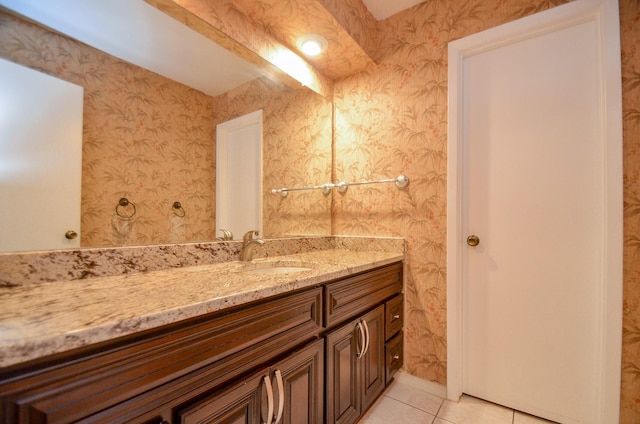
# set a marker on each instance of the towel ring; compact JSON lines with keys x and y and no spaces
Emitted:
{"x":177,"y":208}
{"x":124,"y":202}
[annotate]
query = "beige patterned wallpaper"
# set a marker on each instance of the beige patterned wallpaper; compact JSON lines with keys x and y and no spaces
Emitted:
{"x":393,"y":118}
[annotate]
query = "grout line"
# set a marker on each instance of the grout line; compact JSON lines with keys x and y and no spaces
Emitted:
{"x":440,"y":408}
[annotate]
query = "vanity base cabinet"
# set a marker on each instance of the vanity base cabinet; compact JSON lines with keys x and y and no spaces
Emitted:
{"x":319,"y":355}
{"x":290,"y":392}
{"x":355,"y":367}
{"x":357,"y":351}
{"x":140,"y":380}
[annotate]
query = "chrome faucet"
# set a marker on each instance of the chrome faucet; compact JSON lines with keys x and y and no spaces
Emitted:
{"x":248,"y":243}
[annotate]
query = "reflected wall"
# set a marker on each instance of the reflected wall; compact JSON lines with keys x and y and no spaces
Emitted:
{"x":152,"y":140}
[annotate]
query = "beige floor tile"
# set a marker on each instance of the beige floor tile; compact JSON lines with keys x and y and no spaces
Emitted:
{"x":522,"y":418}
{"x":387,"y":410}
{"x":470,"y":410}
{"x":414,"y":397}
{"x":441,"y":421}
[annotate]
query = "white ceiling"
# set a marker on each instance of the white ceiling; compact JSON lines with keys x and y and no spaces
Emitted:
{"x":382,"y":9}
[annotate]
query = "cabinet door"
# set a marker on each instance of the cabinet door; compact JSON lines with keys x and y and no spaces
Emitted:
{"x":343,"y":384}
{"x":239,"y":404}
{"x":303,"y":385}
{"x":373,"y":361}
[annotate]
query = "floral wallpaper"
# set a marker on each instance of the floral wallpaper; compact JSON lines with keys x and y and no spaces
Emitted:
{"x":297,"y":132}
{"x":630,"y":41}
{"x":392,"y":119}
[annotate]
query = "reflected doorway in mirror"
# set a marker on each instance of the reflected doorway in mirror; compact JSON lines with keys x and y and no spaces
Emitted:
{"x":239,"y":174}
{"x":40,"y":159}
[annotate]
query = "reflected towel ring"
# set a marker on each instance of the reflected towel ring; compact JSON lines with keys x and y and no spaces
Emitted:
{"x":124,"y":202}
{"x":177,"y":208}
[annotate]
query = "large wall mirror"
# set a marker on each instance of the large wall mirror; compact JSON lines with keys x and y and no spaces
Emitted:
{"x":152,"y":102}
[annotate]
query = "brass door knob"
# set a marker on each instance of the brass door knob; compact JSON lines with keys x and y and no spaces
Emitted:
{"x":71,"y":234}
{"x":473,"y":240}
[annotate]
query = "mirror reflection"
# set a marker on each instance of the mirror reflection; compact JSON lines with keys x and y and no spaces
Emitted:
{"x":152,"y":140}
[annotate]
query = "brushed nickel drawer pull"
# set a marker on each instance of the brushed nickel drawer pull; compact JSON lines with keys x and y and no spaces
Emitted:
{"x":363,"y":339}
{"x":368,"y":337}
{"x":267,"y":383}
{"x":280,"y":396}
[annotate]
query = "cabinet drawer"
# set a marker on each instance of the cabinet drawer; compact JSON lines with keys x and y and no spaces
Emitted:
{"x":394,"y":356}
{"x":346,"y":298}
{"x":126,"y":380}
{"x":394,"y":316}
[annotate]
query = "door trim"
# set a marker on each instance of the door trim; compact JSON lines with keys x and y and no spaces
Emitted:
{"x":605,"y":14}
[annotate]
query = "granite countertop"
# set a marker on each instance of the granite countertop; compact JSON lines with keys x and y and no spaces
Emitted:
{"x":44,"y":319}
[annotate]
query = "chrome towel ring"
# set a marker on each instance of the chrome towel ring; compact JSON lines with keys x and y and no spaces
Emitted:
{"x":178,"y":210}
{"x":124,"y":203}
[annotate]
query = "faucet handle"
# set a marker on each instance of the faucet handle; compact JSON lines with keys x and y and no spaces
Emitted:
{"x":248,"y":236}
{"x":226,"y":235}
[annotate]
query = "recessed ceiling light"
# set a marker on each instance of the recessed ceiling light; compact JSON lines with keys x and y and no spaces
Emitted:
{"x":312,"y":44}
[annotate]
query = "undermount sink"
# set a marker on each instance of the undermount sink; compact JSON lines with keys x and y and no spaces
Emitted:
{"x":276,"y":267}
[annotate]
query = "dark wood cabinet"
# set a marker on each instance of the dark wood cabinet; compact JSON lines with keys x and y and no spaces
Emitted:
{"x":138,"y":379}
{"x":355,"y":366}
{"x":357,"y":351}
{"x":303,"y":385}
{"x":289,"y":392}
{"x":373,"y":360}
{"x":240,"y":403}
{"x":320,"y":354}
{"x":394,"y":348}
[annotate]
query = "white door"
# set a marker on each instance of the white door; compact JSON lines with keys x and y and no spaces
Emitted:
{"x":239,"y":175}
{"x":40,"y":159}
{"x":536,"y":172}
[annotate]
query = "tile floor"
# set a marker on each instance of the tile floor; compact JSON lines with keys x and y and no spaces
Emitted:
{"x":404,"y":402}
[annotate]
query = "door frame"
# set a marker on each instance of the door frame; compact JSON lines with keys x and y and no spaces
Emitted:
{"x":605,"y":14}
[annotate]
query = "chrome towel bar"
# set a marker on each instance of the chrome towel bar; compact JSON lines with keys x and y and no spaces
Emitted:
{"x":401,"y":182}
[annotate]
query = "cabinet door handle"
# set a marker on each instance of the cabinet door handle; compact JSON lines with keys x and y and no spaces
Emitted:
{"x":280,"y":396}
{"x":267,"y":383}
{"x":363,"y":339}
{"x":367,"y":337}
{"x":395,"y":317}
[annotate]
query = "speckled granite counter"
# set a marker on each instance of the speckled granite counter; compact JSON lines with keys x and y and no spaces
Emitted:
{"x":42,"y":319}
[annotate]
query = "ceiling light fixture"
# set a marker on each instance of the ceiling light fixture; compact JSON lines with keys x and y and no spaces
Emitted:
{"x":312,"y":44}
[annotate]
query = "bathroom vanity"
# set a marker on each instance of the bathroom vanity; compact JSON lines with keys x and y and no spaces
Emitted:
{"x":308,"y":338}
